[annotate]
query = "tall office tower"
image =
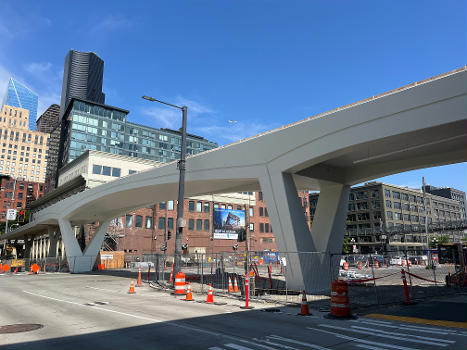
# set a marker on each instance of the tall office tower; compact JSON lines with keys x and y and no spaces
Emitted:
{"x":49,"y":122}
{"x":82,"y":78}
{"x":18,"y":95}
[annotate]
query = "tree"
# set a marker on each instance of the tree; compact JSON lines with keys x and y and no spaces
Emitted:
{"x":346,"y":246}
{"x":439,"y":239}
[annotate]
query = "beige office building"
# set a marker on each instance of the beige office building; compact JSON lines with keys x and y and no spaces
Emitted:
{"x":23,"y":153}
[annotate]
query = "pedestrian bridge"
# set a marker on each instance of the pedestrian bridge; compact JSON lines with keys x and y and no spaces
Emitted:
{"x":416,"y":126}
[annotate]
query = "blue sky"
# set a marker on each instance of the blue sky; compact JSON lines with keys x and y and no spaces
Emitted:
{"x":263,"y":63}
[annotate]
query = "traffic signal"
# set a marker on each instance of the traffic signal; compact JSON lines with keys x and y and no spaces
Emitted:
{"x":21,"y":216}
{"x":241,"y":235}
{"x":169,"y":235}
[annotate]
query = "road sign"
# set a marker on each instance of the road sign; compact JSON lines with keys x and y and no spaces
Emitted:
{"x":11,"y":214}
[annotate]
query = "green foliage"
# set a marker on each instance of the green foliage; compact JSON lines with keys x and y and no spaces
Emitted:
{"x":439,"y":239}
{"x":346,"y":246}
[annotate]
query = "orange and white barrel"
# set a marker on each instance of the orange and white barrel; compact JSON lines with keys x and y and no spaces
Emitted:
{"x":340,"y":299}
{"x":180,"y":283}
{"x":346,"y":266}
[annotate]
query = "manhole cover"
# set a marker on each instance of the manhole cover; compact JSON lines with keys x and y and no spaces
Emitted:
{"x":271,"y":310}
{"x":18,"y":328}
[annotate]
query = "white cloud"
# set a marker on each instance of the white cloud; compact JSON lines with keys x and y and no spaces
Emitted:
{"x":38,"y":67}
{"x":204,"y":121}
{"x":112,"y":22}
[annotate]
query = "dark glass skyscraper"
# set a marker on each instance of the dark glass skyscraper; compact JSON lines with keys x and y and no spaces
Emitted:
{"x":82,"y":78}
{"x":18,"y":95}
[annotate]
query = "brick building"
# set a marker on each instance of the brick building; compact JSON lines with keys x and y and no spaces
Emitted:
{"x":18,"y":194}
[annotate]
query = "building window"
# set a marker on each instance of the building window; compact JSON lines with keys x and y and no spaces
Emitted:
{"x":387,"y":193}
{"x":199,"y":224}
{"x":191,"y":224}
{"x":261,"y":211}
{"x":170,"y":223}
{"x":250,"y":212}
{"x":397,"y":216}
{"x":162,"y":205}
{"x":266,"y":212}
{"x":397,"y":205}
{"x":260,"y":196}
{"x":266,"y":227}
{"x":396,"y":195}
{"x":267,"y":240}
{"x":389,"y":214}
{"x":96,"y":169}
{"x":148,"y":222}
{"x":229,"y":207}
{"x":404,"y":196}
{"x":261,"y":227}
{"x":405,"y":206}
{"x":129,"y":220}
{"x":130,"y":172}
{"x":161,"y":223}
{"x":106,"y":170}
{"x":252,"y":227}
{"x":206,"y":207}
{"x":116,"y":172}
{"x":199,"y":206}
{"x":239,"y":207}
{"x":138,"y":221}
{"x":388,"y":204}
{"x":206,"y":224}
{"x":170,"y":205}
{"x":191,"y":206}
{"x":406,"y":217}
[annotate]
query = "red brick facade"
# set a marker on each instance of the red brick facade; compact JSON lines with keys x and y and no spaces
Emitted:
{"x":24,"y":193}
{"x":133,"y":237}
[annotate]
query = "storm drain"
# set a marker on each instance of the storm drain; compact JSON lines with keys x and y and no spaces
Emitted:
{"x":19,"y":328}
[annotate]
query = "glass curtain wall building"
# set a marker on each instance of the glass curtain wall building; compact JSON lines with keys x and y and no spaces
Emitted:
{"x":90,"y":125}
{"x":18,"y":95}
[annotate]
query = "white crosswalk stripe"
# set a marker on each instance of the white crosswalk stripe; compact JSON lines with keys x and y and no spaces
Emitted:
{"x":384,"y":335}
{"x":369,"y":347}
{"x":238,"y":347}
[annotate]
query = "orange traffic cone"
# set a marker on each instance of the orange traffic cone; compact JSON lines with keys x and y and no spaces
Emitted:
{"x":376,"y":264}
{"x":210,"y":298}
{"x":138,"y":283}
{"x":230,"y":286}
{"x":132,"y":288}
{"x":304,"y":311}
{"x":171,"y":274}
{"x":189,"y":296}
{"x":236,"y":285}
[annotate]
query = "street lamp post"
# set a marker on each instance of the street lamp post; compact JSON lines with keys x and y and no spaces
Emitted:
{"x":181,"y":223}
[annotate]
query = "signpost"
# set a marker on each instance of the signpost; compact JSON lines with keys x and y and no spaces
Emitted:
{"x":11,"y":214}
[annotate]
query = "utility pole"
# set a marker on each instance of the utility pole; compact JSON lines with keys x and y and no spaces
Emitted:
{"x":426,"y":214}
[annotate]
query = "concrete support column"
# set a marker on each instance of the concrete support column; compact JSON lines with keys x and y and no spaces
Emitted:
{"x":28,"y":241}
{"x":77,"y":261}
{"x":40,"y":248}
{"x":53,"y":238}
{"x":308,"y":253}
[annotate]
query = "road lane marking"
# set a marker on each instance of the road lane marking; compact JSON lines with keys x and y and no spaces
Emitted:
{"x":215,"y":348}
{"x":409,"y":327}
{"x":267,"y":341}
{"x":357,"y":340}
{"x":376,"y":334}
{"x":255,"y":344}
{"x":442,"y":323}
{"x":411,"y":335}
{"x":293,"y":341}
{"x":236,"y":346}
{"x":171,"y":323}
{"x":369,"y":347}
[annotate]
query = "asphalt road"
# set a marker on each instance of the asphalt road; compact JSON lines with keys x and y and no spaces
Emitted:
{"x":96,"y":312}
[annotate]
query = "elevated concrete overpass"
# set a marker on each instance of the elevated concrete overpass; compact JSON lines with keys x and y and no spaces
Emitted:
{"x":416,"y":126}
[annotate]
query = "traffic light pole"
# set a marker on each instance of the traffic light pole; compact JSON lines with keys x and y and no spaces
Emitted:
{"x":181,"y":195}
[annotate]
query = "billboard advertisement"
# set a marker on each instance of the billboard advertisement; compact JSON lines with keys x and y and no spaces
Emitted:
{"x":228,"y":223}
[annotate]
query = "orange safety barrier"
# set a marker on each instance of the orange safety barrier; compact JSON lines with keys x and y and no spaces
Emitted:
{"x":236,"y":285}
{"x":346,"y":266}
{"x":180,"y":283}
{"x":138,"y":283}
{"x":189,"y":296}
{"x":360,"y":265}
{"x":5,"y":267}
{"x":210,"y":298}
{"x":35,"y":268}
{"x":376,"y":264}
{"x":304,"y":311}
{"x":171,"y":274}
{"x":340,"y":299}
{"x":230,"y":290}
{"x":132,"y":288}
